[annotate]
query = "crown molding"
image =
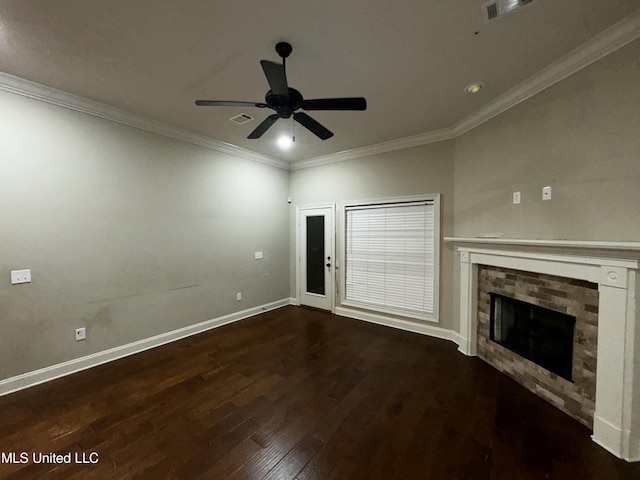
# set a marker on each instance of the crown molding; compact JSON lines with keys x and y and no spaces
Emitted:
{"x":398,"y":144}
{"x":603,"y":44}
{"x":36,"y":91}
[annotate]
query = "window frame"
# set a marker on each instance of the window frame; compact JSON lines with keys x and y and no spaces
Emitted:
{"x":342,"y":245}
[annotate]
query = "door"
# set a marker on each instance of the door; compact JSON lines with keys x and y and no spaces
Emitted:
{"x":316,"y":257}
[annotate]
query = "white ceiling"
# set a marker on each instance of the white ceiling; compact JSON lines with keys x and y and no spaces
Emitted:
{"x":411,"y":59}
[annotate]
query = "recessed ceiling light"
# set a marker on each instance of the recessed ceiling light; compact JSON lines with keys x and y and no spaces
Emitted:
{"x":285,"y":142}
{"x":474,"y":87}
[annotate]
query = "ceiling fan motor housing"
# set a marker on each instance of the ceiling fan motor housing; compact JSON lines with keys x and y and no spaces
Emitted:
{"x":284,"y":106}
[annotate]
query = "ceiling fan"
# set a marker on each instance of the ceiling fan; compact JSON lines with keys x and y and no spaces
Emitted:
{"x":286,"y":100}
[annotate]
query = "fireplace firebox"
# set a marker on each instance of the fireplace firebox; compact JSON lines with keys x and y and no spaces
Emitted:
{"x":536,"y":333}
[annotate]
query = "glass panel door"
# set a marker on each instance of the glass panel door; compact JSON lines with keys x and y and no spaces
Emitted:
{"x":315,"y":255}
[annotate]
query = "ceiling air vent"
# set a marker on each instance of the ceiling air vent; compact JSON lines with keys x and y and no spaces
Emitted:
{"x":241,"y":118}
{"x":497,"y":8}
{"x":492,"y":11}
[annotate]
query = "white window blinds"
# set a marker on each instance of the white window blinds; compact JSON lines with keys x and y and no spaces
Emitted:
{"x":390,"y":256}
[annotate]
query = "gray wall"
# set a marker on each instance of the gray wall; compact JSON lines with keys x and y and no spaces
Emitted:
{"x":582,"y":137}
{"x":420,"y":170}
{"x":132,"y":234}
{"x":128,"y":233}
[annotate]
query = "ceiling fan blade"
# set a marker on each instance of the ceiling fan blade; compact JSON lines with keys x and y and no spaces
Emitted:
{"x":315,"y":127}
{"x":229,"y":103}
{"x":263,"y":127}
{"x":276,"y":76}
{"x":349,"y":103}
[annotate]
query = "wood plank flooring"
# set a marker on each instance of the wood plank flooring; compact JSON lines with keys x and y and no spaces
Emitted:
{"x":298,"y":394}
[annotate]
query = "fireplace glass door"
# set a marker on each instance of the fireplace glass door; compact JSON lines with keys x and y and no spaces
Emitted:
{"x":538,"y":334}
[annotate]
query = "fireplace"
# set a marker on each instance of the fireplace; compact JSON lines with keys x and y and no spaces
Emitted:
{"x":547,"y":339}
{"x":613,"y":268}
{"x":539,"y":334}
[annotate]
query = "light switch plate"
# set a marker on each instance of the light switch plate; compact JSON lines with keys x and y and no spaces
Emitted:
{"x":258,"y":255}
{"x":516,"y":198}
{"x":20,"y":276}
{"x":546,"y":193}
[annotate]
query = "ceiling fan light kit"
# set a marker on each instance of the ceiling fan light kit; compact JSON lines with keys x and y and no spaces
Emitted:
{"x":285,"y":142}
{"x":285,"y":101}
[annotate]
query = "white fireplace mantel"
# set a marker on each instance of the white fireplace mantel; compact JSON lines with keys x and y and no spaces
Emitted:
{"x":614,"y":266}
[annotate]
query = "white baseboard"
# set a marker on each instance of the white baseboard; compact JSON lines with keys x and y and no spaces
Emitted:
{"x":409,"y":326}
{"x":46,"y":374}
{"x":634,"y":447}
{"x":465,"y":347}
{"x":460,"y":340}
{"x":616,"y":441}
{"x":607,"y":435}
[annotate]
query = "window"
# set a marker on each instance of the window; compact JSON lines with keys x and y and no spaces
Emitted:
{"x":392,"y":257}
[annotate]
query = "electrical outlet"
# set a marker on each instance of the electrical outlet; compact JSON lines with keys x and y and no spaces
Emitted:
{"x":81,"y":334}
{"x":238,"y":296}
{"x":20,"y":276}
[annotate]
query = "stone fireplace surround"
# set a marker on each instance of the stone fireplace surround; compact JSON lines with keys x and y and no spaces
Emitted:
{"x":614,"y":267}
{"x":566,"y":295}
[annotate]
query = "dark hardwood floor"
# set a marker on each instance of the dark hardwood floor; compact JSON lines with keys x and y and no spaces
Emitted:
{"x":298,"y":393}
